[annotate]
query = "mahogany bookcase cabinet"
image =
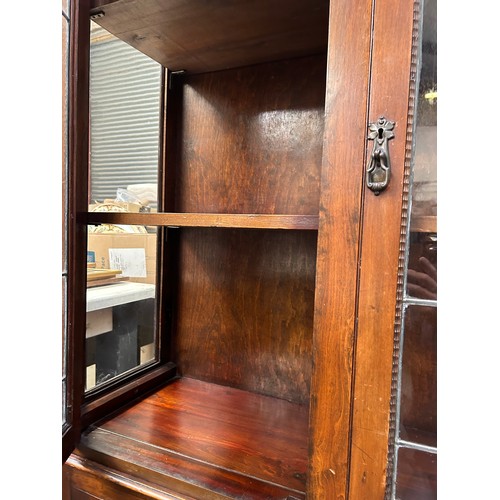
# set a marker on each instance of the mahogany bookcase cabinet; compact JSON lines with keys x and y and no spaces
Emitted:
{"x":277,"y":265}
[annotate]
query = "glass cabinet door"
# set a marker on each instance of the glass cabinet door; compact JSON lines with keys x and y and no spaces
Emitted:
{"x":415,"y":433}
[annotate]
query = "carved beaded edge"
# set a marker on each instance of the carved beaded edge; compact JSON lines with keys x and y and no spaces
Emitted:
{"x":403,"y":242}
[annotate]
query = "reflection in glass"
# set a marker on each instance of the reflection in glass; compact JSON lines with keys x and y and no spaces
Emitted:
{"x":121,"y":307}
{"x":422,"y":274}
{"x":417,"y":474}
{"x":125,"y":89}
{"x":422,"y":265}
{"x":419,"y":377}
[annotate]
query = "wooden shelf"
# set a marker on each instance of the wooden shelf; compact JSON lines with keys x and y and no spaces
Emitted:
{"x":208,"y":36}
{"x":215,"y":438}
{"x":245,"y":221}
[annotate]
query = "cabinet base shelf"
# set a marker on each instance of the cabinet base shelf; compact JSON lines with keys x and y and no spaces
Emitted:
{"x":196,"y":437}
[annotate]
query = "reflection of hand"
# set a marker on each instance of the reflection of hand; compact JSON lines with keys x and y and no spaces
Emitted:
{"x":423,"y":284}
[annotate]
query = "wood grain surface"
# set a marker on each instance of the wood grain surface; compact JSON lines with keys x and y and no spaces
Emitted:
{"x":244,"y":221}
{"x":251,"y":139}
{"x":389,"y":97}
{"x":215,"y":35}
{"x":213,"y":436}
{"x":338,"y":248}
{"x":245,"y":309}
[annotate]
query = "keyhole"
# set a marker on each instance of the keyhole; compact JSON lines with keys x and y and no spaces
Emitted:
{"x":380,"y":133}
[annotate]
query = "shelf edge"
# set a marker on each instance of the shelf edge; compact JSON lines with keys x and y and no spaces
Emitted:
{"x":169,"y":219}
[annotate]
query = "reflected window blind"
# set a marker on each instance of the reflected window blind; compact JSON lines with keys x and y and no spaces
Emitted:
{"x":125,"y":90}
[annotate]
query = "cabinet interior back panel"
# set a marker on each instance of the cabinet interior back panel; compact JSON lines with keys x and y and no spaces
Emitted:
{"x":245,"y":309}
{"x":249,"y":140}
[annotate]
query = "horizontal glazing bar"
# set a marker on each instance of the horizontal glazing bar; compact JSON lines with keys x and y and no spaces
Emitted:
{"x":401,"y":443}
{"x":412,"y":301}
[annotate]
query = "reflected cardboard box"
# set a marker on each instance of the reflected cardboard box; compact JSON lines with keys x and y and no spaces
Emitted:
{"x":133,"y":254}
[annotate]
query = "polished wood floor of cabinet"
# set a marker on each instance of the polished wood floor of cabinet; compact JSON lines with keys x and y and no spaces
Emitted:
{"x":199,"y":436}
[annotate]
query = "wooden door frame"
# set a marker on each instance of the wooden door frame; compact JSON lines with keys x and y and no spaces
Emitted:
{"x":392,"y":94}
{"x":78,"y":126}
{"x":361,"y":240}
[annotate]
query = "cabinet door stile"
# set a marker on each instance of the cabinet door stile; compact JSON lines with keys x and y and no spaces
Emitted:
{"x":77,"y":202}
{"x":380,"y":251}
{"x":338,"y":246}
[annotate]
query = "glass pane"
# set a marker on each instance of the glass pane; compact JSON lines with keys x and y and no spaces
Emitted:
{"x":121,"y":306}
{"x":419,"y":376}
{"x":422,"y":275}
{"x":417,"y":475}
{"x":125,"y":92}
{"x":422,"y":265}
